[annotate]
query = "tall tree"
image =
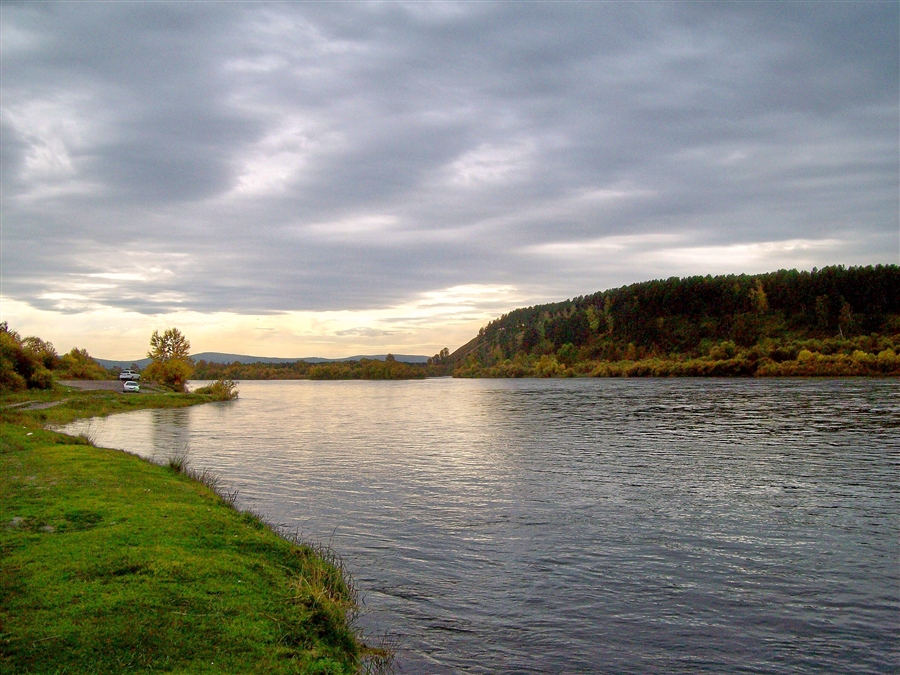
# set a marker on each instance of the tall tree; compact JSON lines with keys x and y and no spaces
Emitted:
{"x":170,"y":345}
{"x":172,"y":364}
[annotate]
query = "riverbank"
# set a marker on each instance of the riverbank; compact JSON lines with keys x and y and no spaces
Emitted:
{"x":111,"y":563}
{"x":828,"y":358}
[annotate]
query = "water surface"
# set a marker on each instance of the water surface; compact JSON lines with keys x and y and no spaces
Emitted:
{"x":563,"y":526}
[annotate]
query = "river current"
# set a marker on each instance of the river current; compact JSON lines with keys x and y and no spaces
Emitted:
{"x":579,"y":526}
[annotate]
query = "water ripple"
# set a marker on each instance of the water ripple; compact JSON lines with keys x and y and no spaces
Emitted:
{"x":613,"y":526}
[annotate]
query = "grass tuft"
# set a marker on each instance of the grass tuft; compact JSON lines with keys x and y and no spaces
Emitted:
{"x":178,"y":460}
{"x":88,"y":436}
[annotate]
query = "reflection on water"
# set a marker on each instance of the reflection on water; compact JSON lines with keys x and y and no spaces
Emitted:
{"x":581,"y":525}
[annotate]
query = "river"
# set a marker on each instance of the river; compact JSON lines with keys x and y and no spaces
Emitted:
{"x":580,"y":526}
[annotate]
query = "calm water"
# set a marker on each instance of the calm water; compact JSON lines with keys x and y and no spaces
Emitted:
{"x":562,"y":526}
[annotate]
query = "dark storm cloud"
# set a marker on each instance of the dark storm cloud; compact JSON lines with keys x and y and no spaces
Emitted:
{"x":264,"y":157}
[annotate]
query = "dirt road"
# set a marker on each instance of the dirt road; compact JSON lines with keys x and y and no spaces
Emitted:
{"x":109,"y":385}
{"x":92,"y":385}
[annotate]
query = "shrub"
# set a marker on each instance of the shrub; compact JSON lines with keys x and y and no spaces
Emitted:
{"x":722,"y":351}
{"x":220,"y":390}
{"x":888,"y":361}
{"x":547,"y":366}
{"x":567,"y":354}
{"x":78,"y":365}
{"x":173,"y":373}
{"x":19,"y":366}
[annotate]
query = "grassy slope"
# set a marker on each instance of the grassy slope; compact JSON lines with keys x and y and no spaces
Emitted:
{"x":111,"y":564}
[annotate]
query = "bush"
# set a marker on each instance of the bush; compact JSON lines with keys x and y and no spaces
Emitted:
{"x":41,"y":378}
{"x":10,"y":380}
{"x":567,"y":354}
{"x":19,"y":366}
{"x":220,"y":390}
{"x":723,"y":351}
{"x":888,"y":361}
{"x":547,"y":366}
{"x":173,"y":373}
{"x":78,"y":365}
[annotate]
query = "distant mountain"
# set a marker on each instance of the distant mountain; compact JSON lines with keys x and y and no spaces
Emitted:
{"x":218,"y":357}
{"x":107,"y":363}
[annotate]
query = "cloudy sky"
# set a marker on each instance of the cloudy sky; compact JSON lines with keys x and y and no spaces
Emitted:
{"x":329,"y":179}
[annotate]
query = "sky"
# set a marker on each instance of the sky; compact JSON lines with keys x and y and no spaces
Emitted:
{"x":340,"y":178}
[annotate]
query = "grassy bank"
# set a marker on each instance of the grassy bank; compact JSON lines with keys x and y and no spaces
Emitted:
{"x":111,"y":564}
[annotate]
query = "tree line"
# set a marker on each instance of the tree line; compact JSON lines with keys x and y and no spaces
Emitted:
{"x":836,"y":321}
{"x":33,"y":363}
{"x":363,"y":369}
{"x":833,"y":321}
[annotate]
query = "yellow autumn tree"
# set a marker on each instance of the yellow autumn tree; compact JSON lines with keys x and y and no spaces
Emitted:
{"x":172,"y":364}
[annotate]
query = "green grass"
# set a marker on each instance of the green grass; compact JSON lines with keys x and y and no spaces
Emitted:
{"x":111,"y":564}
{"x":73,"y":405}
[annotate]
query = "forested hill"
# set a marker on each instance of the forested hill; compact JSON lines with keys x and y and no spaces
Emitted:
{"x":835,"y":320}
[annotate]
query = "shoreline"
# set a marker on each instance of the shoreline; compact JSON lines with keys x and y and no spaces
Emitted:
{"x":110,"y":559}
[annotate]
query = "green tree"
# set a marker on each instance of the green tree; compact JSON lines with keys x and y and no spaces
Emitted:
{"x":78,"y":365}
{"x":172,"y":364}
{"x":567,"y":354}
{"x":170,"y":345}
{"x":14,"y":362}
{"x":42,"y":351}
{"x":440,"y":358}
{"x":20,"y":367}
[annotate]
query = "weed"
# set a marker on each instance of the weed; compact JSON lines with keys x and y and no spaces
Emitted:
{"x":89,"y":436}
{"x":207,"y":477}
{"x":378,"y":659}
{"x":177,"y":461}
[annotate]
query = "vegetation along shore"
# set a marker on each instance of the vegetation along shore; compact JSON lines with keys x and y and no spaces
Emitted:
{"x":835,"y":321}
{"x":111,"y":564}
{"x":830,"y":322}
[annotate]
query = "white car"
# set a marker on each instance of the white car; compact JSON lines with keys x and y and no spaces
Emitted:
{"x":131,"y":385}
{"x":129,"y":374}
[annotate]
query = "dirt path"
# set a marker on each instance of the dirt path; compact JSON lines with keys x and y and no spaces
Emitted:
{"x":34,"y":405}
{"x":92,"y":385}
{"x":108,"y":385}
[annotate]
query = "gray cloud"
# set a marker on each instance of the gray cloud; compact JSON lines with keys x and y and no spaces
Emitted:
{"x":267,"y":157}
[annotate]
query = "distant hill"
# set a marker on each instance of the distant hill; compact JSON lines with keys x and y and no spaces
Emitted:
{"x":219,"y":357}
{"x":833,"y":321}
{"x":108,"y":363}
